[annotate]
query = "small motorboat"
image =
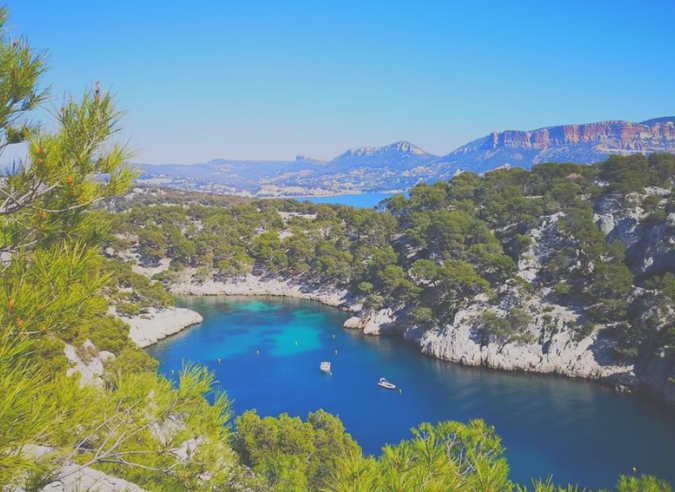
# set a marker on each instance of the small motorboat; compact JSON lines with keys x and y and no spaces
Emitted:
{"x":325,"y":367}
{"x":386,"y":384}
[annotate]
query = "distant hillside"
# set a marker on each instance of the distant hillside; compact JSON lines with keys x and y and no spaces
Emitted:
{"x":393,"y":167}
{"x":400,"y":165}
{"x":582,"y":144}
{"x":397,"y":156}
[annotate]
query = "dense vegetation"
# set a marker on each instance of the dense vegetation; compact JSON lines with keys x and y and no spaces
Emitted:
{"x":431,"y":253}
{"x":56,"y":286}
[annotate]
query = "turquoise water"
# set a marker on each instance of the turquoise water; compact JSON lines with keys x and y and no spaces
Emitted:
{"x":578,"y":431}
{"x":363,"y":200}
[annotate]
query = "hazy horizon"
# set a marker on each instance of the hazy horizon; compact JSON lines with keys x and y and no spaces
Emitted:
{"x":262,"y":81}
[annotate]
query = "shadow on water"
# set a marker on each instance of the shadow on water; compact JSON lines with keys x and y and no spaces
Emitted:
{"x":270,"y":350}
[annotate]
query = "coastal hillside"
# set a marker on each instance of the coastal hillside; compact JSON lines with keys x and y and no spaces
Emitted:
{"x":583,"y":144}
{"x":565,"y":268}
{"x":561,"y":268}
{"x":398,"y":166}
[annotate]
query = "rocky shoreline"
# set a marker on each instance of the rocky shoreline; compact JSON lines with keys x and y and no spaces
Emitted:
{"x":453,"y":342}
{"x":587,"y":358}
{"x":253,"y":285}
{"x":158,"y":323}
{"x":148,"y":328}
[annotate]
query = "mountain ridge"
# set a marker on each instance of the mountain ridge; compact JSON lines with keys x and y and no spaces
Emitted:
{"x":401,"y":164}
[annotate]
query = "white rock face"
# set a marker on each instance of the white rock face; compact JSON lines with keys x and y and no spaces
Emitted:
{"x":90,"y":365}
{"x":456,"y":343}
{"x":79,"y":479}
{"x":147,"y":329}
{"x":374,"y":323}
{"x":354,"y":323}
{"x":254,"y":285}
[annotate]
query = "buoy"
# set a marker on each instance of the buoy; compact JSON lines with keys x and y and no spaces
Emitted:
{"x":634,"y":470}
{"x":336,"y":352}
{"x":333,"y":336}
{"x":296,"y":342}
{"x":257,"y":352}
{"x":400,"y":391}
{"x":218,"y":361}
{"x":171,"y":371}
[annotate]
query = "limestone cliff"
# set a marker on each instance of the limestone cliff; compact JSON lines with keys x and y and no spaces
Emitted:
{"x":585,"y":144}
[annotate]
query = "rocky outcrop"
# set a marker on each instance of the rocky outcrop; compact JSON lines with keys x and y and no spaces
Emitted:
{"x":156,"y":324}
{"x":374,"y":322}
{"x":77,"y":479}
{"x":559,"y":353}
{"x":650,"y":246}
{"x":72,"y":477}
{"x":608,"y":135}
{"x":264,"y":286}
{"x":558,"y":338}
{"x":584,"y":144}
{"x":88,"y":362}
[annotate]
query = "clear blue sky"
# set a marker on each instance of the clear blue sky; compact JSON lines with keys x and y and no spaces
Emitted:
{"x":253,"y":79}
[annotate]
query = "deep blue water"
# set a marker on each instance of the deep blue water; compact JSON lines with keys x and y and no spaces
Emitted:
{"x":577,"y":431}
{"x":363,"y":200}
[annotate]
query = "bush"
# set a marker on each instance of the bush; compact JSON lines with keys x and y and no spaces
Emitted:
{"x":513,"y":328}
{"x":583,"y":331}
{"x":562,"y":289}
{"x":109,"y":333}
{"x":423,"y":316}
{"x":128,"y":309}
{"x":294,"y":455}
{"x":131,"y":360}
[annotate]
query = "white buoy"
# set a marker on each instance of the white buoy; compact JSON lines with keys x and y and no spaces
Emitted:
{"x":257,"y":352}
{"x":336,"y":352}
{"x":296,"y":342}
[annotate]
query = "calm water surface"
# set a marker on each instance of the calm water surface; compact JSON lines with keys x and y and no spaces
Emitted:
{"x":577,"y":431}
{"x":363,"y":200}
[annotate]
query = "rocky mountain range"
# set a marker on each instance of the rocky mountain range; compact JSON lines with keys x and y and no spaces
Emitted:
{"x":400,"y":165}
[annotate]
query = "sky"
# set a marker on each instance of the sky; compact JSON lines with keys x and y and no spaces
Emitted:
{"x":270,"y":80}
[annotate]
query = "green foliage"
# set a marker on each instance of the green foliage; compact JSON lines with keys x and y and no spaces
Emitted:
{"x":435,"y":250}
{"x":130,"y":360}
{"x":52,"y":282}
{"x":431,"y":253}
{"x":582,"y":331}
{"x":664,"y":283}
{"x":609,"y":289}
{"x":109,"y":333}
{"x":512,"y":328}
{"x":562,"y":289}
{"x":373,"y":302}
{"x":293,"y":455}
{"x":448,"y":456}
{"x":643,"y":483}
{"x":55,"y":290}
{"x":133,"y":293}
{"x":423,"y":316}
{"x":626,"y":174}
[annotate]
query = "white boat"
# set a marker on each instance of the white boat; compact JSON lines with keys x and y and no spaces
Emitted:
{"x":386,"y":384}
{"x":325,"y":367}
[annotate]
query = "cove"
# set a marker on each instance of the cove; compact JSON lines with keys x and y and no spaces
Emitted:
{"x":577,"y":431}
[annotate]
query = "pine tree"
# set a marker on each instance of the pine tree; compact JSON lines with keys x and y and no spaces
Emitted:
{"x":51,"y":280}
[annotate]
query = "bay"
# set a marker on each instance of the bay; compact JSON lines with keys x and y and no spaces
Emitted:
{"x":266,"y":353}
